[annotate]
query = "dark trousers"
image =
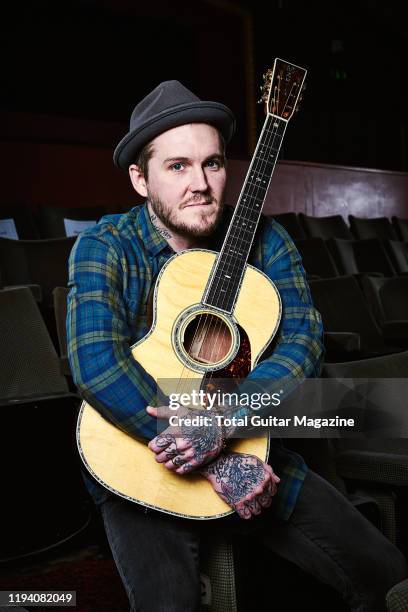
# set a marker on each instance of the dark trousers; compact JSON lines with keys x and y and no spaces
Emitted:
{"x":158,"y":555}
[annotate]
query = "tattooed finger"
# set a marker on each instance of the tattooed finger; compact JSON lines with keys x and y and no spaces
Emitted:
{"x":185,"y":469}
{"x":254,"y":506}
{"x":244,"y":511}
{"x":167,"y":454}
{"x":178,"y":461}
{"x":265,"y":498}
{"x":160,"y":442}
{"x":172,"y":465}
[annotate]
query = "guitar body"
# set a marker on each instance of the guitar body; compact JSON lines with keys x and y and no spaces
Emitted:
{"x":187,"y":342}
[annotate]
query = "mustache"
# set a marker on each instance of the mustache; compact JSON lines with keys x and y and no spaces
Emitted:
{"x":207,"y":199}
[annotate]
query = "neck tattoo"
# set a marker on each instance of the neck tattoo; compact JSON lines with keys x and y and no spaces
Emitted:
{"x":162,"y":230}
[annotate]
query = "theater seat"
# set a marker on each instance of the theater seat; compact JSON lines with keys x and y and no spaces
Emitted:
{"x":377,"y":227}
{"x":39,"y":262}
{"x":398,"y":254}
{"x":17,"y":222}
{"x":290,"y":222}
{"x":343,"y":307}
{"x":361,"y":257}
{"x":44,"y":499}
{"x":333,"y":226}
{"x":55,"y":222}
{"x":376,"y":464}
{"x":388,"y":298}
{"x":401,"y":227}
{"x":316,"y":258}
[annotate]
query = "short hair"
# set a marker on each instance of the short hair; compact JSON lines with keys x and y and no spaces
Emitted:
{"x":143,"y":158}
{"x":145,"y":155}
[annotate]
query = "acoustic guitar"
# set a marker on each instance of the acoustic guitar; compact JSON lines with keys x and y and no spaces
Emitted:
{"x":212,"y":313}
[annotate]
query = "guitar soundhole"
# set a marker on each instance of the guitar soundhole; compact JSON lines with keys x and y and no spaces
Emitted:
{"x":207,"y":339}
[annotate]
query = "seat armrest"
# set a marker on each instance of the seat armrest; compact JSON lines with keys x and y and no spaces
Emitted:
{"x":395,"y":331}
{"x":347,"y":342}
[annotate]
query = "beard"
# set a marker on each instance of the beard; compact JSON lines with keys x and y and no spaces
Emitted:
{"x":170,"y":216}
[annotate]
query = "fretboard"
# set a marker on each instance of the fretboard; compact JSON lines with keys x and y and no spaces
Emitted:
{"x":225,"y":279}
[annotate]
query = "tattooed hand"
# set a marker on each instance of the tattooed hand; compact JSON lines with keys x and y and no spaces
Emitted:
{"x":245,"y":482}
{"x":185,"y":448}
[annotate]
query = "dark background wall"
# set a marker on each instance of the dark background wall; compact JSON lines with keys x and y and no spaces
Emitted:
{"x":71,"y":73}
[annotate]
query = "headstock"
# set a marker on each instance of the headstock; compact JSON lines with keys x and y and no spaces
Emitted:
{"x":282,"y":88}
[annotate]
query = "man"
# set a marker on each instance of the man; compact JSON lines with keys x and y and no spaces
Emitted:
{"x":175,"y":156}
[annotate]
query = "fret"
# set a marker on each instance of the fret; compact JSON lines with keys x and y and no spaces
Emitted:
{"x":249,"y":209}
{"x":239,"y":233}
{"x":275,"y":128}
{"x":243,"y":225}
{"x":256,"y":185}
{"x":231,"y":266}
{"x":266,"y":171}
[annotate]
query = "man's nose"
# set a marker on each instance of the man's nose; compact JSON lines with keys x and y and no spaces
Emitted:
{"x":198,"y":180}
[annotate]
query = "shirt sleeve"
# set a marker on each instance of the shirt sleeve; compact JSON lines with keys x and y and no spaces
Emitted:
{"x":99,"y":337}
{"x":297,"y":351}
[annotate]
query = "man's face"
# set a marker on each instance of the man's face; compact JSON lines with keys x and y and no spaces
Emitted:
{"x":186,"y":179}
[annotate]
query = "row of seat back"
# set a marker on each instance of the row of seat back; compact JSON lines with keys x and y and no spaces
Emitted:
{"x":19,"y":222}
{"x":335,"y":256}
{"x":376,"y":316}
{"x":344,"y":309}
{"x":44,"y":263}
{"x":388,"y":298}
{"x":39,"y":262}
{"x":300,"y":226}
{"x":56,"y":222}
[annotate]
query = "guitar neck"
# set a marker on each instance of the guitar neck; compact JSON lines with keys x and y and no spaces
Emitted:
{"x":226,"y":276}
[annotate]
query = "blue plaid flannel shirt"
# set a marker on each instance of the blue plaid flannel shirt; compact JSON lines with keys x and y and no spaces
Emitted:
{"x":111,"y":270}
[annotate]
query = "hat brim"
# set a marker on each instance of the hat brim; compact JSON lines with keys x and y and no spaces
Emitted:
{"x":214,"y":113}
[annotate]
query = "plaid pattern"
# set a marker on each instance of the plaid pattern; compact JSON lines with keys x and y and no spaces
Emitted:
{"x":112,"y":268}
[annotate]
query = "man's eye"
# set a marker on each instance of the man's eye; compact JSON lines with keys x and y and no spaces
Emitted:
{"x":177,"y":166}
{"x":213,"y":163}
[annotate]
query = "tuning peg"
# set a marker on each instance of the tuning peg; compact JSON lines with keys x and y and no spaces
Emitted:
{"x":304,"y":86}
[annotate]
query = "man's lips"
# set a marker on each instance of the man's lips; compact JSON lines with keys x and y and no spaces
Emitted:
{"x":197,"y":204}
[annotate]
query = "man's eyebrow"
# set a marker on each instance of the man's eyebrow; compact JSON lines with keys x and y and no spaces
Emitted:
{"x":186,"y":159}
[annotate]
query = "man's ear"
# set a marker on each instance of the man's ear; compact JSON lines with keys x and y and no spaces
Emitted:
{"x":138,"y":180}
